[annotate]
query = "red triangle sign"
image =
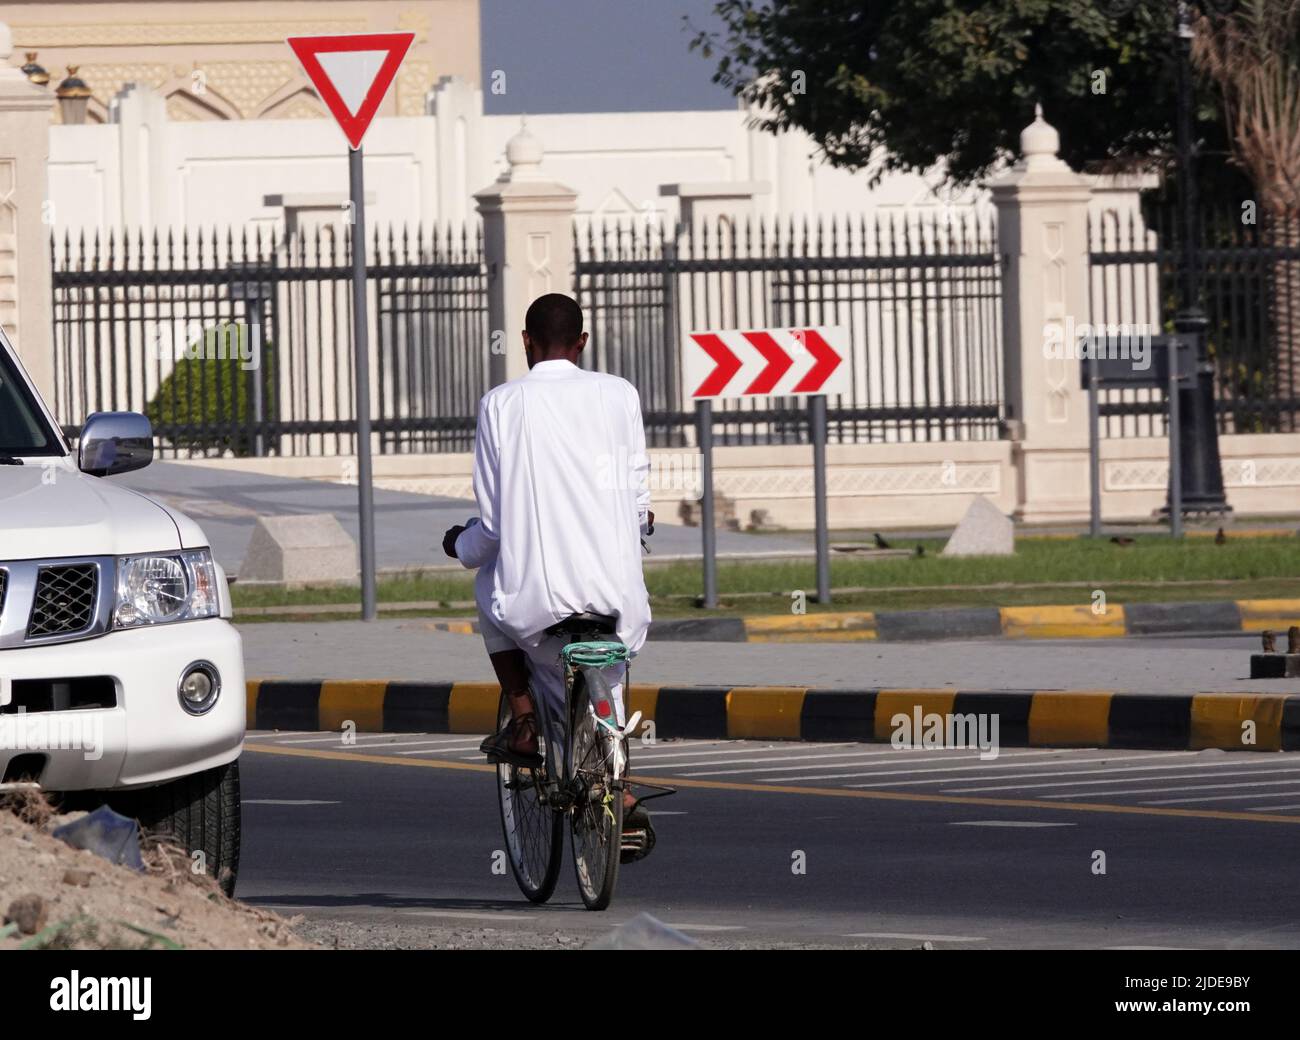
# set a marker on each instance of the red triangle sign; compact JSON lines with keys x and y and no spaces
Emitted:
{"x":352,"y":74}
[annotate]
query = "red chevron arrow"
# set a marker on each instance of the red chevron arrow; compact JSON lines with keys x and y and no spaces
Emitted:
{"x":778,"y":362}
{"x":726,"y":364}
{"x":825,"y":361}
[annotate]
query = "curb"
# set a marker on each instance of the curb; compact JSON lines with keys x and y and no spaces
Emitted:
{"x":1076,"y":621}
{"x":1026,"y":718}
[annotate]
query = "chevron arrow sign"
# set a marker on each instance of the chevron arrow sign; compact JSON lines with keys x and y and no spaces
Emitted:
{"x":735,"y":363}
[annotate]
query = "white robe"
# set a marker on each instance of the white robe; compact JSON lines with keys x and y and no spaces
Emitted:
{"x":560,"y":475}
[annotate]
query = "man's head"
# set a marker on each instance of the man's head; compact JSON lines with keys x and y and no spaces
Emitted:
{"x":553,"y":329}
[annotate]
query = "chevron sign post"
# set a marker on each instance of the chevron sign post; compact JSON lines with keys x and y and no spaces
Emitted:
{"x":739,"y":363}
{"x":734,"y":364}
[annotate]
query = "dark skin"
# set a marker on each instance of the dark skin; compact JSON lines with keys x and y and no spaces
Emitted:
{"x":511,"y":666}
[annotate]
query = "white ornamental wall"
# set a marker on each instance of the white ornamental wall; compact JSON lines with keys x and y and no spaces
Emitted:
{"x":145,"y":169}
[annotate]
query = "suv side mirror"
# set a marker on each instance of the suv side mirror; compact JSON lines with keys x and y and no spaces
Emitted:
{"x":114,"y":442}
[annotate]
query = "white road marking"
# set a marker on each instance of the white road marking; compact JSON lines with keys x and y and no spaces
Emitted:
{"x":916,"y":938}
{"x":1272,"y":808}
{"x":903,"y":769}
{"x":1224,"y":797}
{"x":653,"y":750}
{"x":1266,"y":769}
{"x":1007,"y":823}
{"x":286,"y":801}
{"x":418,"y":743}
{"x":965,"y":769}
{"x":903,"y":755}
{"x":765,"y":758}
{"x":809,"y":761}
{"x":377,"y":739}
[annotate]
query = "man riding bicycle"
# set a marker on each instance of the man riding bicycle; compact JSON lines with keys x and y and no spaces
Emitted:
{"x":559,"y":525}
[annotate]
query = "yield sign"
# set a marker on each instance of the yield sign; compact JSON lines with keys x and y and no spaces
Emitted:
{"x":735,"y":363}
{"x":352,"y":74}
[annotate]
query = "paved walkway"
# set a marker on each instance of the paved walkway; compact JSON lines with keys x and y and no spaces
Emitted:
{"x":408,"y":527}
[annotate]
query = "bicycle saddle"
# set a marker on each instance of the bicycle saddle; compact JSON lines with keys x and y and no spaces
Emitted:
{"x":581,"y":624}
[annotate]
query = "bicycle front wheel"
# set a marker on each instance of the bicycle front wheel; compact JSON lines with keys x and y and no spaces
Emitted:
{"x":596,"y":824}
{"x":534,"y":832}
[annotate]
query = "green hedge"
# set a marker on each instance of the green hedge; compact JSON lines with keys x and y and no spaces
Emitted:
{"x":209,"y":394}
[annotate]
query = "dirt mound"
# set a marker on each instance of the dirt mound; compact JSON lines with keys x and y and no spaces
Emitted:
{"x":53,"y":896}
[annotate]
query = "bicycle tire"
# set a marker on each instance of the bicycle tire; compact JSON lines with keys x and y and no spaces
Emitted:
{"x":596,"y":824}
{"x":534,"y":833}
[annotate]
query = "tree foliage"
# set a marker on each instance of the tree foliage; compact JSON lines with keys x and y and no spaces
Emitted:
{"x":887,"y":85}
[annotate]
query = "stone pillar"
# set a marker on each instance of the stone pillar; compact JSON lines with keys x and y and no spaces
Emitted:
{"x":1042,"y":232}
{"x":457,"y":107}
{"x":140,"y":114}
{"x":528,"y":248}
{"x":26,"y":112}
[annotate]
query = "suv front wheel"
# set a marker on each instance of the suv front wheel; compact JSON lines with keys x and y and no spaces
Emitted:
{"x":199,"y":812}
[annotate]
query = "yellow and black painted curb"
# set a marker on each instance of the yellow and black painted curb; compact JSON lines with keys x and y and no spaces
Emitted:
{"x":1075,"y":621}
{"x":1026,"y":718}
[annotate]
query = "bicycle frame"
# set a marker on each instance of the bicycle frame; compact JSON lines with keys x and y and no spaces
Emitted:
{"x":560,"y":785}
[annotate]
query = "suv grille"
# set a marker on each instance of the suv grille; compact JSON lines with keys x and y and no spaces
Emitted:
{"x":65,"y":600}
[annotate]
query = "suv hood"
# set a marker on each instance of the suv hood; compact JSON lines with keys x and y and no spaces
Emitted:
{"x":50,"y":509}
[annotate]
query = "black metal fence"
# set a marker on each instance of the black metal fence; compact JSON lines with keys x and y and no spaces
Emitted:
{"x":1250,"y":273}
{"x":919,"y":295}
{"x":243,"y":344}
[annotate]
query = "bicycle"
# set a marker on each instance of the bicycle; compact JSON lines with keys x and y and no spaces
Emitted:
{"x":584,"y":785}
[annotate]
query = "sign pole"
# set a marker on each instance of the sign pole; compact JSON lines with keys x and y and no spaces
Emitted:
{"x":817,"y":405}
{"x":1094,"y":452}
{"x":350,"y":82}
{"x":1175,"y":443}
{"x":704,"y":434}
{"x":361,"y":345}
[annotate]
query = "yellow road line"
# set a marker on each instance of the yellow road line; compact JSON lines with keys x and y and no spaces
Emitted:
{"x":820,"y":792}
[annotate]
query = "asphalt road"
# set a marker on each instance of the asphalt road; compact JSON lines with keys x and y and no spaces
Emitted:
{"x":391,"y":843}
{"x":409,"y":649}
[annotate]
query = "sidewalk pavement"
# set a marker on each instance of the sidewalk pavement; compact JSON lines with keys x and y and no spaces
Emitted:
{"x":1076,"y":621}
{"x":412,"y":650}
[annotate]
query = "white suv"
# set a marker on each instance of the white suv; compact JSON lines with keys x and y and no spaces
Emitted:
{"x":120,"y":673}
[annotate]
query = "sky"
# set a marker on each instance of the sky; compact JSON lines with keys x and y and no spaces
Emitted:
{"x":596,"y":56}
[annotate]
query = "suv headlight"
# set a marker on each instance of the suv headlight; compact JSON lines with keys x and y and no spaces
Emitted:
{"x":164,"y":587}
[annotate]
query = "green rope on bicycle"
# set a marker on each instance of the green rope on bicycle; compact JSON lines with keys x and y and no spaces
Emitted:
{"x":594,"y":654}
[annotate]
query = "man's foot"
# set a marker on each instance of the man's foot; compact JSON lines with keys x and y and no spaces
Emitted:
{"x":515,"y":743}
{"x":638,"y":831}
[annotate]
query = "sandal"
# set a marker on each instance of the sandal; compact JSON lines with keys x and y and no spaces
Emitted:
{"x":497,"y":747}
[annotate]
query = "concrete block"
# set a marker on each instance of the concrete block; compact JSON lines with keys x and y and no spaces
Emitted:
{"x":983,"y":531}
{"x":311,"y":548}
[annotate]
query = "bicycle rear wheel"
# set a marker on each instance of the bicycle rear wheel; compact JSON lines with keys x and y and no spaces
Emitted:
{"x":534,"y":832}
{"x":596,"y":824}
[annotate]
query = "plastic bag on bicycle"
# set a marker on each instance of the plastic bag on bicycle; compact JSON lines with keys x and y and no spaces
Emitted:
{"x":600,"y":691}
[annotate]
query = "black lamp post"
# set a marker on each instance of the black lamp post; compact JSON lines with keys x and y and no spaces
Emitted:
{"x":1199,"y":462}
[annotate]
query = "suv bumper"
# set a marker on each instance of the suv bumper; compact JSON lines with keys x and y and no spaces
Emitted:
{"x":146,"y":737}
